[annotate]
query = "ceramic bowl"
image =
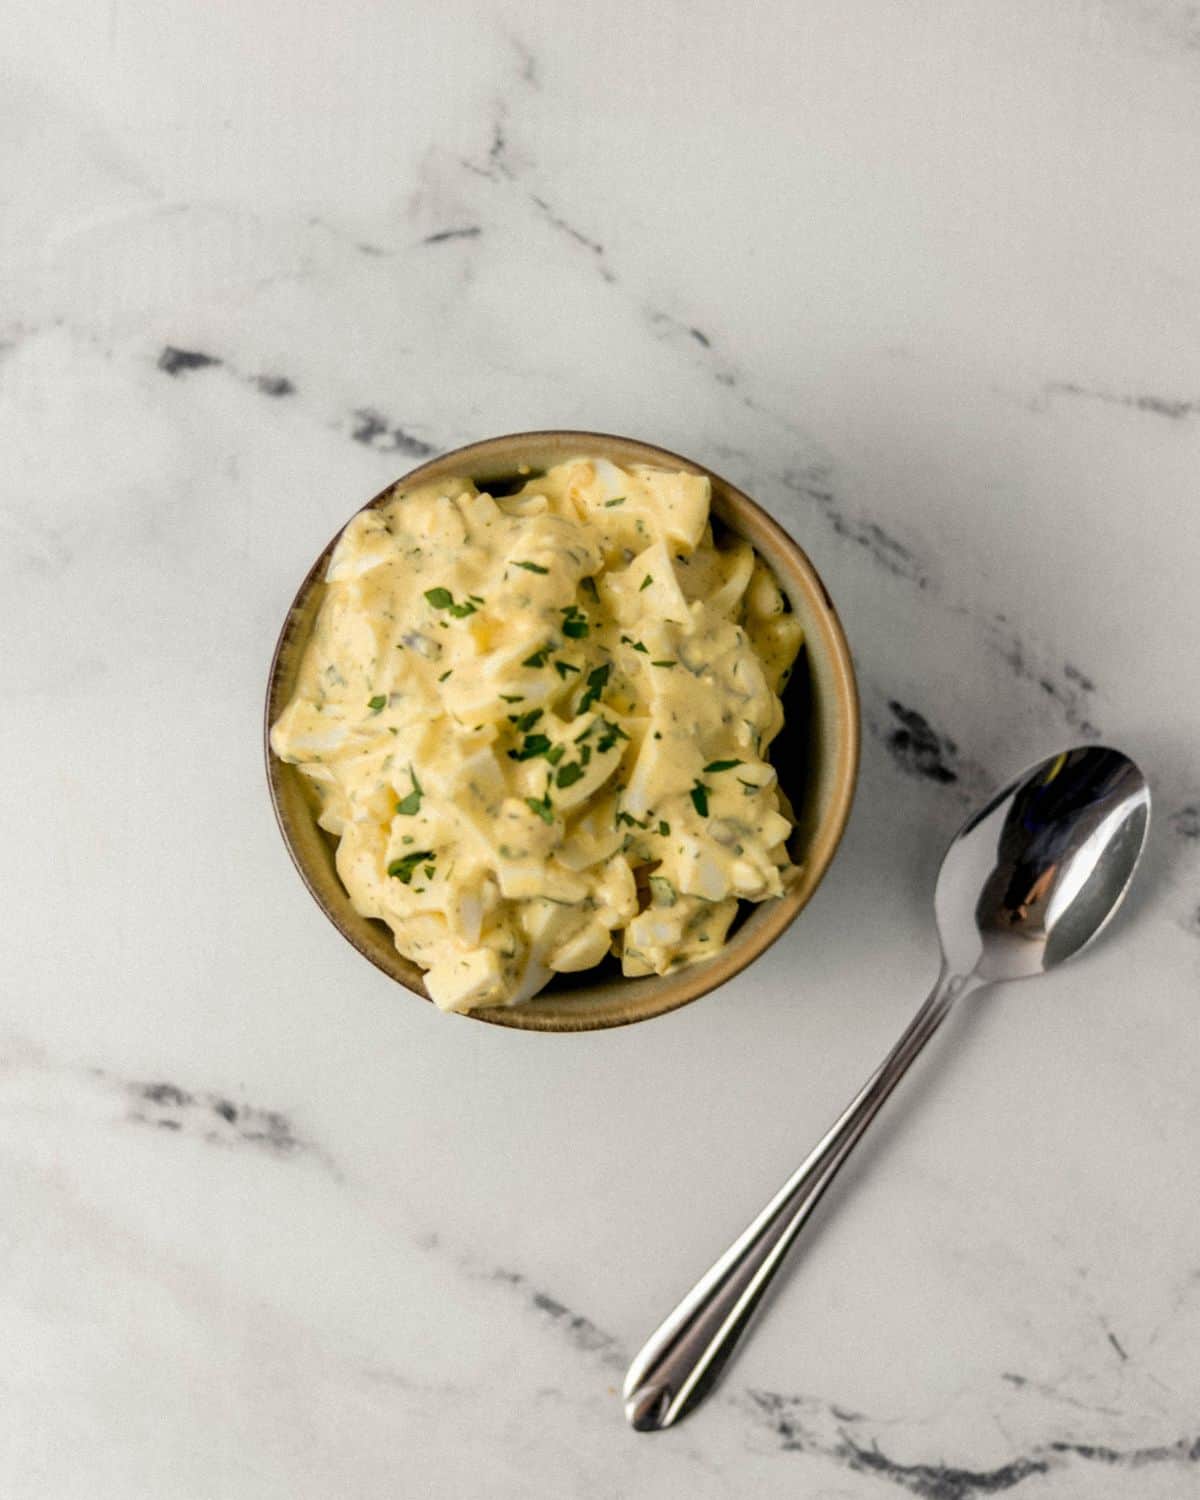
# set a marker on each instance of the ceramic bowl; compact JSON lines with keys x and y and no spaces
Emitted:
{"x":816,"y":754}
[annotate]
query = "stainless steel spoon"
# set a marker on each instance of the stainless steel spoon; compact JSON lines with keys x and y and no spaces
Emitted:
{"x":1026,"y":883}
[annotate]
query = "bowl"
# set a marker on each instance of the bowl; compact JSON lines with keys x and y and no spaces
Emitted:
{"x":815,"y":755}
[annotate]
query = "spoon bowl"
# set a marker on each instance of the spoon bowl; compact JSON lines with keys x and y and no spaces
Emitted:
{"x":1036,"y":874}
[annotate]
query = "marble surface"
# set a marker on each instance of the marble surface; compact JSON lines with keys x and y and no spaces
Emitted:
{"x":924,"y":279}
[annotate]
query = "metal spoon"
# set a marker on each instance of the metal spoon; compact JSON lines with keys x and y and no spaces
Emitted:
{"x":1027,"y":882}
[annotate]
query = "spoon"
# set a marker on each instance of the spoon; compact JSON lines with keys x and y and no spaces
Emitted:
{"x":1027,"y":882}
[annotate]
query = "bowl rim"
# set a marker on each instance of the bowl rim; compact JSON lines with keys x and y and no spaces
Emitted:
{"x":778,"y":914}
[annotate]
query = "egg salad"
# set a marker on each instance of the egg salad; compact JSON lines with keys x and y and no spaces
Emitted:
{"x":538,"y":723}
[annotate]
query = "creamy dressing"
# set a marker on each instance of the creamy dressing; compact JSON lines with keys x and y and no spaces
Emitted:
{"x":538,"y":726}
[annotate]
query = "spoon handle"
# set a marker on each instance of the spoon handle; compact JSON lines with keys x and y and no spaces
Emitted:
{"x":696,"y":1339}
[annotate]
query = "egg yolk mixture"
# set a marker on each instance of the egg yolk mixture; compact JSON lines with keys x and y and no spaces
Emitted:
{"x":538,"y":724}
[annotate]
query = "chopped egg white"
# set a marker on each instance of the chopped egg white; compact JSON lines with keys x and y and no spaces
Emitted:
{"x":538,"y":726}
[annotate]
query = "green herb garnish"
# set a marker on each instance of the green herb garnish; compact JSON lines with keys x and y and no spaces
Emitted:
{"x":532,"y":746}
{"x":750,"y":787}
{"x":377,"y":702}
{"x":531,"y":567}
{"x":445,"y":674}
{"x":525,"y":722}
{"x":563,"y":667}
{"x":700,"y":799}
{"x":721,"y":765}
{"x":404,"y":868}
{"x":641,"y":646}
{"x":568,"y":775}
{"x":620,"y":500}
{"x":444,"y":599}
{"x":662,"y":663}
{"x":611,"y":734}
{"x":597,"y":680}
{"x":538,"y":659}
{"x":664,"y":829}
{"x":412,"y":803}
{"x":541,"y":807}
{"x":513,"y":697}
{"x":646,"y":582}
{"x":588,"y":585}
{"x":575,"y":623}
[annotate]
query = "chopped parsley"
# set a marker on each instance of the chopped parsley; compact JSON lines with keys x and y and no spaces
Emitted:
{"x":575,"y":623}
{"x":563,"y":667}
{"x":525,"y":722}
{"x":700,"y":799}
{"x":555,"y":755}
{"x":377,"y":702}
{"x":404,"y":868}
{"x":664,"y":829}
{"x":597,"y":680}
{"x":532,"y":746}
{"x":609,"y":734}
{"x":541,"y":806}
{"x":668,"y":663}
{"x":445,"y":674}
{"x":641,"y":646}
{"x":721,"y":765}
{"x":569,"y":774}
{"x":610,"y":737}
{"x":412,"y":803}
{"x":538,"y":659}
{"x":531,"y":567}
{"x":646,"y":582}
{"x":513,"y":697}
{"x":620,"y":500}
{"x":443,"y":599}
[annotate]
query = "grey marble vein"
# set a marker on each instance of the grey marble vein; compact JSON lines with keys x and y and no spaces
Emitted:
{"x":215,"y":1118}
{"x":815,"y":485}
{"x":275,"y":385}
{"x":373,"y":430}
{"x":806,"y":1425}
{"x":917,"y":748}
{"x":1174,"y":408}
{"x":174,"y":361}
{"x":575,"y":1328}
{"x":443,"y":236}
{"x":1185,"y":821}
{"x":1071,"y":689}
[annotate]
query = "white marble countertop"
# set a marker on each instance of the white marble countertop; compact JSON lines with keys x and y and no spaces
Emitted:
{"x":925,"y":279}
